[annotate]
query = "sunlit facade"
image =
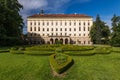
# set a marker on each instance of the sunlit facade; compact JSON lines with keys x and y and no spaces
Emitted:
{"x":66,"y":28}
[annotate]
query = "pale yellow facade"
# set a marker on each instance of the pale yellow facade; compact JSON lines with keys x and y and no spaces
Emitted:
{"x":67,"y":30}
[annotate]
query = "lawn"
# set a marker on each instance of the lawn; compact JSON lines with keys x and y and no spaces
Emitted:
{"x":31,"y":67}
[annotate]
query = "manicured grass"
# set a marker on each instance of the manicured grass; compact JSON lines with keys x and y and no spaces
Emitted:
{"x":27,"y":67}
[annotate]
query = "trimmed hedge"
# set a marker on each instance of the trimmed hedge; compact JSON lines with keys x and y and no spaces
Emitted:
{"x":116,"y":49}
{"x":39,"y":52}
{"x":60,"y":68}
{"x":3,"y":51}
{"x":76,"y":48}
{"x":80,"y":53}
{"x":17,"y":50}
{"x":37,"y":48}
{"x":103,"y":50}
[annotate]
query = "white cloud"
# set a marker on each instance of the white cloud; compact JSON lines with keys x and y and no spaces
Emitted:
{"x":33,"y":4}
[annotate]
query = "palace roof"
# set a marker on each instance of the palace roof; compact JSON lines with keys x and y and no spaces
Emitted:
{"x":59,"y":16}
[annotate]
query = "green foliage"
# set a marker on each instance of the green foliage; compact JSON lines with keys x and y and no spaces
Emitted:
{"x":103,"y":50}
{"x":76,"y":48}
{"x":11,"y":23}
{"x":60,"y":66}
{"x":3,"y":51}
{"x":115,"y":36}
{"x":17,"y":50}
{"x":39,"y":52}
{"x":100,"y":32}
{"x":116,"y":49}
{"x":80,"y":53}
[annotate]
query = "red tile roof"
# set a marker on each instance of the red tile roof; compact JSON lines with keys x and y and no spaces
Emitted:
{"x":59,"y":16}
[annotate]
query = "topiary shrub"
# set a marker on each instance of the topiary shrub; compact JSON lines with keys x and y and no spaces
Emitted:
{"x":60,"y":63}
{"x":80,"y":53}
{"x":17,"y":50}
{"x":39,"y":52}
{"x":76,"y":48}
{"x":103,"y":50}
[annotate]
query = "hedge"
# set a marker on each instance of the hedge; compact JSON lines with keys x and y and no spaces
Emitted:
{"x":103,"y":50}
{"x":39,"y":52}
{"x":35,"y":48}
{"x":116,"y":49}
{"x":2,"y":51}
{"x":80,"y":53}
{"x":60,"y":68}
{"x":76,"y":48}
{"x":17,"y":50}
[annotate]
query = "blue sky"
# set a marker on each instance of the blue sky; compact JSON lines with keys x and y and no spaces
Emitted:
{"x":105,"y":8}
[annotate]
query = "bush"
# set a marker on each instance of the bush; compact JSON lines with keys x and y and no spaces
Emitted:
{"x":80,"y":53}
{"x":60,"y":68}
{"x":40,"y":48}
{"x":17,"y":50}
{"x":76,"y":48}
{"x":103,"y":50}
{"x":39,"y":52}
{"x":2,"y":51}
{"x":116,"y":49}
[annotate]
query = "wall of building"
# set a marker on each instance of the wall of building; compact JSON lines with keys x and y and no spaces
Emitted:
{"x":76,"y":29}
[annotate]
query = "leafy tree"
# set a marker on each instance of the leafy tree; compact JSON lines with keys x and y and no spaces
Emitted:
{"x":99,"y":32}
{"x":11,"y":23}
{"x":115,"y":36}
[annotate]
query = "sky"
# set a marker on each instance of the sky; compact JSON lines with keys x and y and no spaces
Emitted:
{"x":105,"y":8}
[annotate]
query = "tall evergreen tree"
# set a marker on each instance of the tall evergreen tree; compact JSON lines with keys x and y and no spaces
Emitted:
{"x":99,"y":32}
{"x":11,"y":23}
{"x":115,"y":36}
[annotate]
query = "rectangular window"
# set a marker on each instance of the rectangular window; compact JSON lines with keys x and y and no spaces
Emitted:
{"x":31,"y":23}
{"x":84,"y":28}
{"x":74,"y":29}
{"x":79,"y":23}
{"x":61,"y":34}
{"x":88,"y":28}
{"x":60,"y":29}
{"x":30,"y":28}
{"x":65,"y":23}
{"x":70,"y":23}
{"x":79,"y":34}
{"x":43,"y":29}
{"x":79,"y":28}
{"x":38,"y":28}
{"x":47,"y":23}
{"x":56,"y":29}
{"x":43,"y":23}
{"x":69,"y":34}
{"x":34,"y":23}
{"x":69,"y":29}
{"x":47,"y":29}
{"x":65,"y":34}
{"x":34,"y":28}
{"x":39,"y":23}
{"x":65,"y":29}
{"x":52,"y":34}
{"x":84,"y":23}
{"x":52,"y":29}
{"x":88,"y":23}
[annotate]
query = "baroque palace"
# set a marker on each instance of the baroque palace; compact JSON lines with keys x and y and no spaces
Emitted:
{"x":64,"y":28}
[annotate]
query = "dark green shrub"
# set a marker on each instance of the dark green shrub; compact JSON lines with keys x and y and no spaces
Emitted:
{"x":16,"y":52}
{"x":39,"y":52}
{"x":2,"y":51}
{"x":103,"y":50}
{"x":80,"y":53}
{"x":60,"y":68}
{"x":76,"y":48}
{"x":116,"y":49}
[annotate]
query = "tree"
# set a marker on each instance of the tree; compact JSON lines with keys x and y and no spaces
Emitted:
{"x":11,"y":23}
{"x":115,"y":36}
{"x":99,"y":32}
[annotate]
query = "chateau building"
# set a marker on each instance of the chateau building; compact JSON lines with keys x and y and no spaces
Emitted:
{"x":66,"y":28}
